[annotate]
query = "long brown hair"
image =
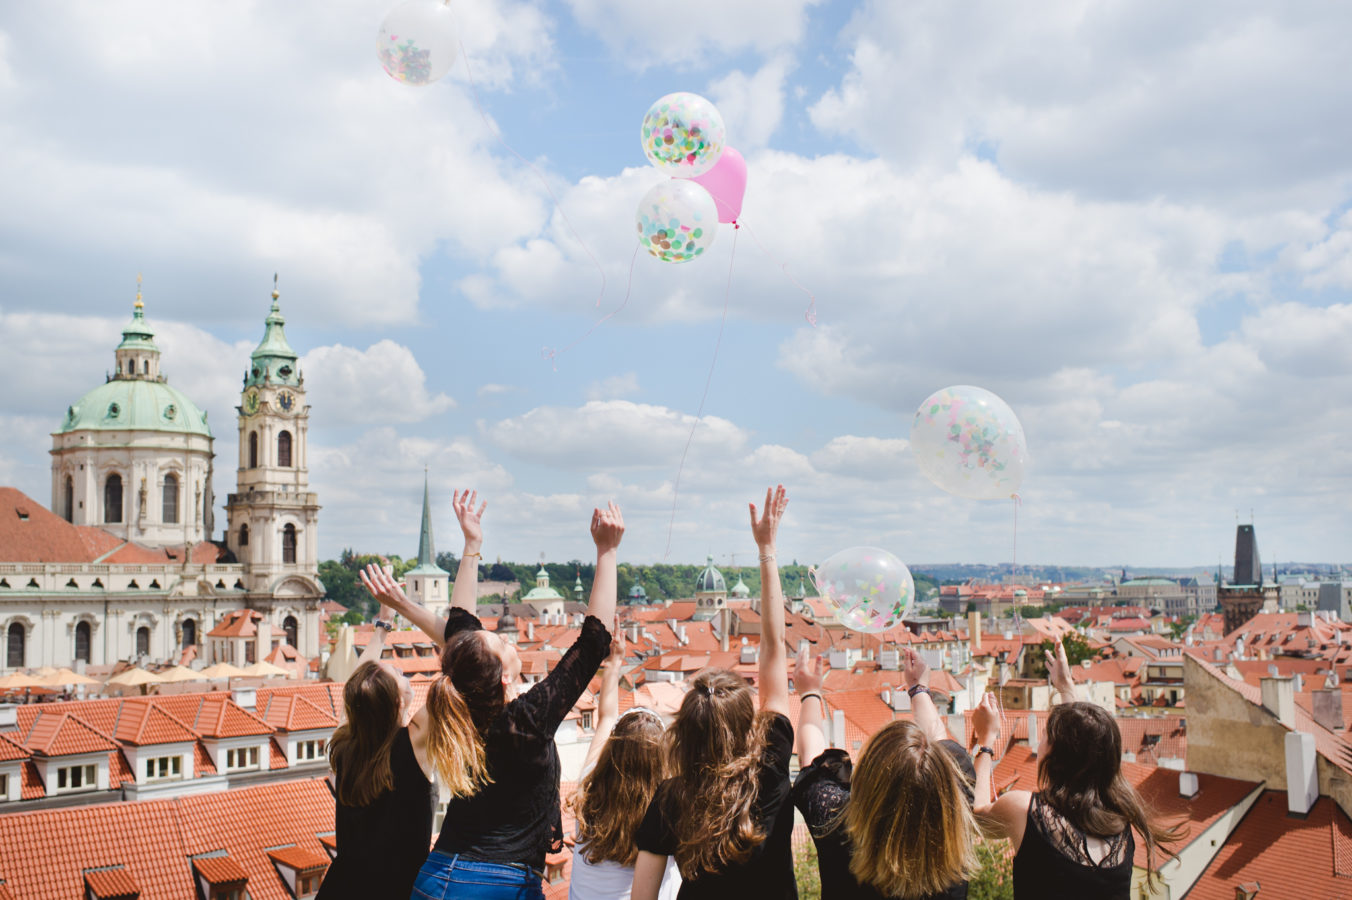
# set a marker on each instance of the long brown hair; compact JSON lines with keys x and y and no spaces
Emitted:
{"x":1080,"y":776}
{"x":461,"y":704}
{"x":614,"y":795}
{"x":910,"y":826}
{"x":359,"y":751}
{"x":713,"y":748}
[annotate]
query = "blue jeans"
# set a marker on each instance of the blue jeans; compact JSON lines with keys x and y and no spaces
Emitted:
{"x":445,"y":877}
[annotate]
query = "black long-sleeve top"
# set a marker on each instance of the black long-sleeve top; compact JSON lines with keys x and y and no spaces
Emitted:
{"x":515,"y":817}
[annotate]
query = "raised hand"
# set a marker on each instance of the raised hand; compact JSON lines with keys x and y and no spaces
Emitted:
{"x":1058,"y":670}
{"x":469,"y":518}
{"x":615,"y":660}
{"x":379,"y":581}
{"x":986,"y":721}
{"x":766,"y":527}
{"x":607,"y":527}
{"x":808,"y":673}
{"x":914,"y":669}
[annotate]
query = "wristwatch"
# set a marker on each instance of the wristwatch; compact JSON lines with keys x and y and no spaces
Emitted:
{"x":381,"y":623}
{"x":917,"y":689}
{"x":984,"y":749}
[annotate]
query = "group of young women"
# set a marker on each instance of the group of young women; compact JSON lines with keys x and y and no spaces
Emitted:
{"x":703,"y":808}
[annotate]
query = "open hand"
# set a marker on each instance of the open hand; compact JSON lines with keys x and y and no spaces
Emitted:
{"x":986,"y":721}
{"x":766,"y":527}
{"x":379,"y":580}
{"x":914,"y":668}
{"x":615,"y":660}
{"x":808,"y":673}
{"x":1058,"y":670}
{"x":463,"y":503}
{"x":607,"y":527}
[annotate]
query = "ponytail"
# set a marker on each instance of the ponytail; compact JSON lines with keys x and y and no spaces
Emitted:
{"x":454,"y":745}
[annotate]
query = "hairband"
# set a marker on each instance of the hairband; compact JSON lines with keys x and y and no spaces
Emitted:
{"x":643,"y":710}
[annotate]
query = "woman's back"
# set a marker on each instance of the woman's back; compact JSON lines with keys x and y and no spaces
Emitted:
{"x":382,"y":845}
{"x":1056,"y":860}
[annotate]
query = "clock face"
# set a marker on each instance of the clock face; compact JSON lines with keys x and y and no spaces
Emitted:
{"x":287,"y":401}
{"x":251,"y":403}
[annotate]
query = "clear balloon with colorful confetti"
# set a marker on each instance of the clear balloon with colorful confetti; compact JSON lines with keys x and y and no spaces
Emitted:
{"x":969,"y":442}
{"x":417,"y":41}
{"x":683,"y":135}
{"x":676,"y":220}
{"x":870,"y":589}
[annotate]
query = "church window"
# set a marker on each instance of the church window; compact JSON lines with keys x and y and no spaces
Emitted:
{"x":82,"y":641}
{"x":244,"y":535}
{"x":289,"y":544}
{"x":69,"y":505}
{"x":170,"y":499}
{"x":284,"y":449}
{"x":131,"y":367}
{"x":145,"y":367}
{"x":16,"y":645}
{"x":143,"y":641}
{"x":253,"y":449}
{"x":189,"y":633}
{"x":291,"y":627}
{"x":112,"y":499}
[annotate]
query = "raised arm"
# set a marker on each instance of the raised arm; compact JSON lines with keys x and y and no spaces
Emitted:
{"x":607,"y":528}
{"x":810,"y":737}
{"x":465,"y":595}
{"x":774,"y":676}
{"x":1005,"y":816}
{"x":916,"y":672}
{"x":380,"y":582}
{"x":376,"y":645}
{"x":608,"y":704}
{"x":1058,"y":673}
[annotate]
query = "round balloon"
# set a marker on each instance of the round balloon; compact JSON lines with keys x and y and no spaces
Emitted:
{"x":417,"y":41}
{"x":683,"y":135}
{"x":676,"y":220}
{"x":870,"y":589}
{"x":969,"y":442}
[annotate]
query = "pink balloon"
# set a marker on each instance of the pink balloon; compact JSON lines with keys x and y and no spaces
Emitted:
{"x":726,"y":182}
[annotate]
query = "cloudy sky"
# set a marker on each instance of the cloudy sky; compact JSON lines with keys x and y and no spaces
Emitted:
{"x":1131,"y":220}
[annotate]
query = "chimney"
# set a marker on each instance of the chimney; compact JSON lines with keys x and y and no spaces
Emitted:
{"x":633,"y":632}
{"x":1188,"y":784}
{"x":1297,"y":682}
{"x":1302,"y":775}
{"x":530,"y":629}
{"x":245,"y":697}
{"x":974,"y":630}
{"x":1033,"y":738}
{"x":1279,"y":699}
{"x":1247,"y":891}
{"x":890,"y":660}
{"x":839,"y":659}
{"x":9,"y":718}
{"x":263,"y":641}
{"x":724,"y":622}
{"x":838,"y":729}
{"x":1327,"y":706}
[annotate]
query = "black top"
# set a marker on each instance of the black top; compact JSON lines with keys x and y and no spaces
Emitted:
{"x":1053,"y":862}
{"x":769,"y":871}
{"x":515,"y":818}
{"x":820,"y":794}
{"x":382,"y":846}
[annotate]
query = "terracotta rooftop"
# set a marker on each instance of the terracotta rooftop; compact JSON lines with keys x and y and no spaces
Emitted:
{"x":112,"y":884}
{"x":237,"y":623}
{"x":142,"y":722}
{"x":293,"y":712}
{"x":29,"y":532}
{"x":11,"y":750}
{"x":300,"y":859}
{"x":220,"y":870}
{"x":61,"y":734}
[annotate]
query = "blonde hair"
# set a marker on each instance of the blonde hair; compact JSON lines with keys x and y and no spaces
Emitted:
{"x":461,"y":704}
{"x":613,"y":797}
{"x":910,"y":825}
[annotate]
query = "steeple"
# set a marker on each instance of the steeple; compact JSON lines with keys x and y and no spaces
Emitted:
{"x":137,"y":356}
{"x":427,"y":554}
{"x":274,"y":362}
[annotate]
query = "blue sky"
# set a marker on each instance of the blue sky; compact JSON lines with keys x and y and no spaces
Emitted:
{"x":1130,"y":220}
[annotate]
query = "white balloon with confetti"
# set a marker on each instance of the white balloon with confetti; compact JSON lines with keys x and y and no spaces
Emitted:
{"x":417,"y":41}
{"x":870,"y":589}
{"x":969,"y":442}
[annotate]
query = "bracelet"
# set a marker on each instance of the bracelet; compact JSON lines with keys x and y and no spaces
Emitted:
{"x":820,"y":699}
{"x":917,"y":689}
{"x":984,"y":749}
{"x":381,"y":623}
{"x":468,"y":555}
{"x":767,"y":557}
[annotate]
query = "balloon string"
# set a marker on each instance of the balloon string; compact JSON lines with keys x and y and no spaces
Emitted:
{"x":727,"y":294}
{"x":474,"y":92}
{"x":810,"y":314}
{"x":1014,"y":563}
{"x":552,"y":355}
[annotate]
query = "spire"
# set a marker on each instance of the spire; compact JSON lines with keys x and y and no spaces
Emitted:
{"x":137,"y":334}
{"x":274,"y":361}
{"x":427,"y":554}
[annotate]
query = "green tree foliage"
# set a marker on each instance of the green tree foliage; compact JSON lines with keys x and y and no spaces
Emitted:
{"x":1177,"y":629}
{"x":806,"y":872}
{"x":1077,"y":651}
{"x":994,"y":878}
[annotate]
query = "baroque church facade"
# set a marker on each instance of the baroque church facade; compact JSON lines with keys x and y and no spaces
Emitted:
{"x":123,"y":566}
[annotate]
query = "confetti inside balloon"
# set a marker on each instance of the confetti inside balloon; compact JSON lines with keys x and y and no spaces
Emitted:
{"x":683,"y":135}
{"x":417,"y":41}
{"x":676,"y":220}
{"x":870,"y":589}
{"x":969,"y":442}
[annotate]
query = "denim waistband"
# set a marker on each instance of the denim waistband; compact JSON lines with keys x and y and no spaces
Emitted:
{"x":464,"y":861}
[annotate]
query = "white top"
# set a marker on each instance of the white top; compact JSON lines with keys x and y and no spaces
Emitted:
{"x":608,"y":880}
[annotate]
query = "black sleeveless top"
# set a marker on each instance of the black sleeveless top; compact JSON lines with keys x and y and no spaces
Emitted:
{"x":1053,"y":862}
{"x":382,"y":846}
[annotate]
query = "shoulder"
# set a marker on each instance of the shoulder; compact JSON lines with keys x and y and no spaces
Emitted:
{"x":779,"y":731}
{"x":822,"y":788}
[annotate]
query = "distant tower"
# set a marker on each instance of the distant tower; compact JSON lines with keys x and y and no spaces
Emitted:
{"x":428,"y":582}
{"x":1246,"y":596}
{"x":545,"y":600}
{"x":1248,"y":570}
{"x":577,"y":588}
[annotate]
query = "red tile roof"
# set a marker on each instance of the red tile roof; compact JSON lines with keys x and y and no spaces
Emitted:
{"x":61,"y":734}
{"x":143,"y":722}
{"x":301,"y":859}
{"x":29,"y":532}
{"x":11,"y":750}
{"x":112,"y":884}
{"x":222,"y":717}
{"x":237,"y":623}
{"x":293,"y":712}
{"x":1159,"y":787}
{"x":220,"y":870}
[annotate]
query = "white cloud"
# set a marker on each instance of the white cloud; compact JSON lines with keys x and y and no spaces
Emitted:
{"x":496,"y":390}
{"x":613,"y":387}
{"x":382,"y":384}
{"x":752,"y":106}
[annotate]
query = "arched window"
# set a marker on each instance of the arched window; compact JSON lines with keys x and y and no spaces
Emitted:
{"x":253,"y":449}
{"x":284,"y":449}
{"x":16,"y":645}
{"x":292,"y":629}
{"x":170,"y":499}
{"x":244,"y":535}
{"x":69,"y":504}
{"x":131,"y":367}
{"x":289,"y":544}
{"x":145,"y":367}
{"x":112,"y":499}
{"x":82,"y":633}
{"x":143,"y":641}
{"x":189,"y":633}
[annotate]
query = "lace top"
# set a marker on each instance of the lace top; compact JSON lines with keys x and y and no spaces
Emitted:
{"x":1054,"y":861}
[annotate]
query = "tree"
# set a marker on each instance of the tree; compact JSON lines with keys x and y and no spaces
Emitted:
{"x":1179,"y":628}
{"x":994,"y":878}
{"x":1077,"y":651}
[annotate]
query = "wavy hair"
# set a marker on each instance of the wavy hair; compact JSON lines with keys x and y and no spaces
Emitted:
{"x":359,"y":751}
{"x":1080,"y":776}
{"x":713,"y":748}
{"x":613,"y":797}
{"x":461,"y":704}
{"x":910,"y":826}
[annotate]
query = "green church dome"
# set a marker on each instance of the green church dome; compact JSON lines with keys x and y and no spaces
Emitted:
{"x":135,"y":405}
